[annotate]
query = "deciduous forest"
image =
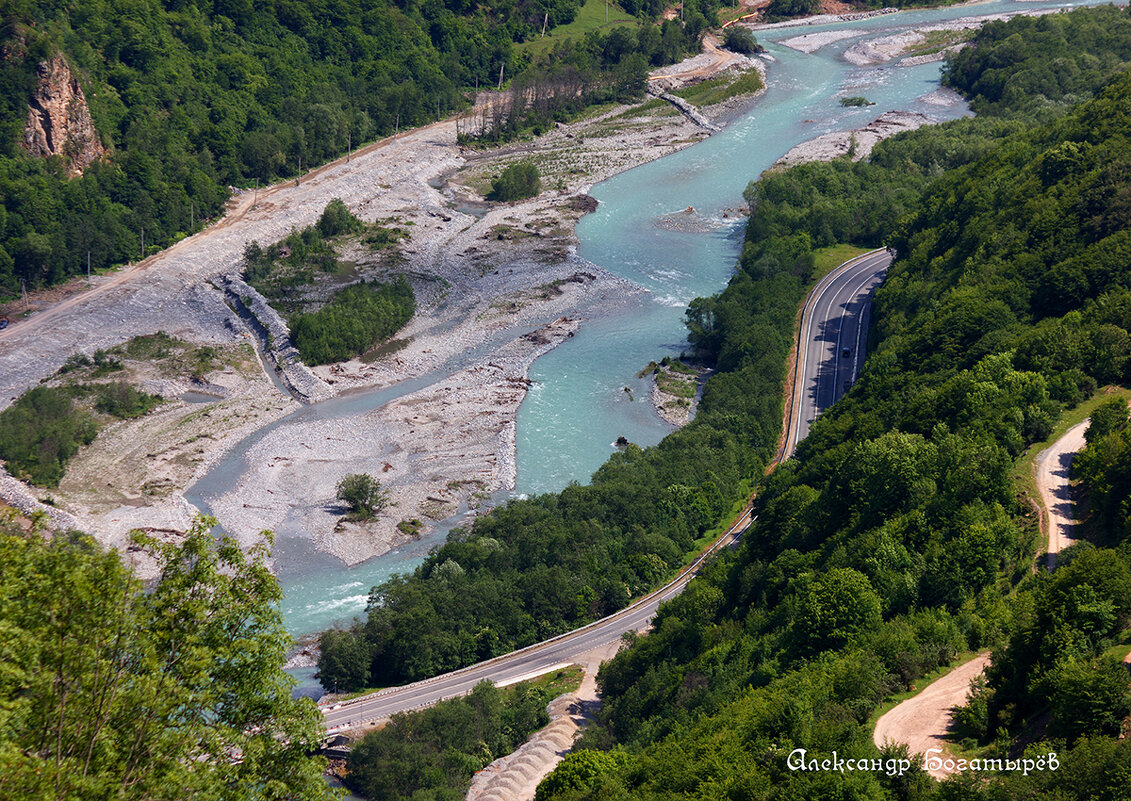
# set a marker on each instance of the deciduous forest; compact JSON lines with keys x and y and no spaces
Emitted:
{"x":897,"y":539}
{"x":189,"y":99}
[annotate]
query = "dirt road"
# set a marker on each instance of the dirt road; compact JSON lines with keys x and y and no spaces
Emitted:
{"x":1052,"y":468}
{"x":922,"y":721}
{"x":713,"y":61}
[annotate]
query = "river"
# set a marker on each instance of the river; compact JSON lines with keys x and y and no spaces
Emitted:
{"x":578,"y":406}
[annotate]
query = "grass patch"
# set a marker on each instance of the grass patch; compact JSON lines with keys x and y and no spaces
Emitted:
{"x":828,"y":258}
{"x":1119,"y":650}
{"x":936,"y":41}
{"x":410,"y":527}
{"x":672,"y":385}
{"x":651,"y":108}
{"x":591,"y":17}
{"x":565,"y":680}
{"x":716,"y":90}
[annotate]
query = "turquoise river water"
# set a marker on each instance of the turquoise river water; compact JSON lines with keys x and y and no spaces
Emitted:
{"x":577,"y":406}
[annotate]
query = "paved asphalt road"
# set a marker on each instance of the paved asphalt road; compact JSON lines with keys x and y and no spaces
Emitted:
{"x":834,"y":332}
{"x":527,"y":663}
{"x":835,"y":318}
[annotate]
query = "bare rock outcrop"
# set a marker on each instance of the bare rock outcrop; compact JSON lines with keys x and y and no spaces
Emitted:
{"x":59,"y":121}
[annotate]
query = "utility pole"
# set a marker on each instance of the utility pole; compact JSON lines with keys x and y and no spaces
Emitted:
{"x":23,"y":289}
{"x":255,"y":199}
{"x":437,"y":109}
{"x":349,"y":144}
{"x":397,"y":130}
{"x":298,"y":178}
{"x":143,"y":243}
{"x":501,"y":67}
{"x":546,"y":19}
{"x":88,"y":265}
{"x":192,"y":217}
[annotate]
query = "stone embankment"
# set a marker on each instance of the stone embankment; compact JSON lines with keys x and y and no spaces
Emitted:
{"x":16,"y":495}
{"x":276,"y":339}
{"x":685,"y":108}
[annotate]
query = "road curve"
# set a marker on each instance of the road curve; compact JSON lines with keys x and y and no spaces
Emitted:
{"x":835,"y":320}
{"x":923,"y":721}
{"x":1052,"y":467}
{"x":529,"y":662}
{"x":844,"y":293}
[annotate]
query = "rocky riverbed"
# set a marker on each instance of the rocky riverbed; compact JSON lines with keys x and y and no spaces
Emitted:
{"x":497,"y":285}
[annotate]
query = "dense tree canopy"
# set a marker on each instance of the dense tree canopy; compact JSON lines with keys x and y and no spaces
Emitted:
{"x":192,"y":97}
{"x":897,"y":538}
{"x":968,"y":386}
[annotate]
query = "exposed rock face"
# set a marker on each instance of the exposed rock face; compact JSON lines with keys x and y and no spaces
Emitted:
{"x":59,"y":121}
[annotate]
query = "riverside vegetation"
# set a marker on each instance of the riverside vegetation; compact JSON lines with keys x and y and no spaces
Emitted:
{"x":539,"y":567}
{"x":433,"y":753}
{"x":46,"y":426}
{"x":190,"y":98}
{"x":895,"y":540}
{"x":357,"y":317}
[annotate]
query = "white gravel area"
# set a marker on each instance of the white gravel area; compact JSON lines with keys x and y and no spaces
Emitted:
{"x":812,"y":42}
{"x":857,"y":143}
{"x":883,"y":49}
{"x":484,"y":281}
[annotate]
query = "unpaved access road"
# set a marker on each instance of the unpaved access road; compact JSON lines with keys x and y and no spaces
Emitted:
{"x":922,"y":721}
{"x":1052,"y":467}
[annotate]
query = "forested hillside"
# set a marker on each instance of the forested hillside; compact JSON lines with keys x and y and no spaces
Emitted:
{"x":897,"y":538}
{"x":539,"y":567}
{"x":191,"y":97}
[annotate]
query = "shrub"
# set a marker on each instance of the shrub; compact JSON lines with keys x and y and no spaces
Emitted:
{"x":363,"y":495}
{"x":336,"y":220}
{"x":517,"y":182}
{"x":357,"y":319}
{"x":741,"y":40}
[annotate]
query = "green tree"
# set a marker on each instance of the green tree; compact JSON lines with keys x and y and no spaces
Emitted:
{"x":112,"y":691}
{"x":579,"y":771}
{"x":337,"y":219}
{"x":1109,"y":417}
{"x":343,"y":661}
{"x":363,"y":495}
{"x":741,"y":40}
{"x":836,"y":607}
{"x":1088,"y":698}
{"x":517,"y":182}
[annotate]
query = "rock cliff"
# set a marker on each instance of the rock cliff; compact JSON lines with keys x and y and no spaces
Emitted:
{"x":59,"y":121}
